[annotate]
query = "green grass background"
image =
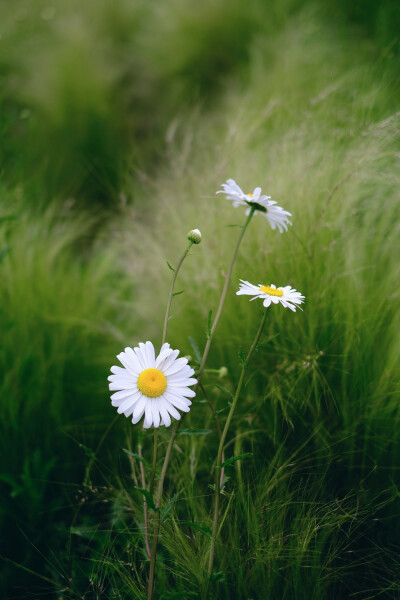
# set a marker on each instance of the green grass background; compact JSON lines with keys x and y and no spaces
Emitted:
{"x":118,"y":124}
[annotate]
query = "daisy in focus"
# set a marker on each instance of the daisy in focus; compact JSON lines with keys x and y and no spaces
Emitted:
{"x":288,"y":297}
{"x":276,"y":215}
{"x":151,"y":386}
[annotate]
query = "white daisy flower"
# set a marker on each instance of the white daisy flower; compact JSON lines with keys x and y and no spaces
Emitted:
{"x":276,"y":215}
{"x":288,"y":297}
{"x":152,"y":386}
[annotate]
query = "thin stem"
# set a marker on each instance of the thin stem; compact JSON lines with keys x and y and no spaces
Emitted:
{"x":157,"y":518}
{"x":199,"y":376}
{"x":222,"y":441}
{"x":146,"y":520}
{"x":210,"y":404}
{"x":154,"y":463}
{"x":171,"y":292}
{"x":156,"y":529}
{"x":223,"y":295}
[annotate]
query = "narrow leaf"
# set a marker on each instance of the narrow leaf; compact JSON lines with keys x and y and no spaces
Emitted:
{"x":194,"y":431}
{"x":242,"y":357}
{"x":224,"y":389}
{"x":136,"y":456}
{"x":205,"y":530}
{"x":233,"y":459}
{"x":172,"y":268}
{"x":266,"y":341}
{"x":169,"y":505}
{"x":177,"y":293}
{"x":149,"y":498}
{"x":88,"y":451}
{"x":195,"y":349}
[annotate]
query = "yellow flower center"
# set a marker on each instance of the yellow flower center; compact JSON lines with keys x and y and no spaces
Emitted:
{"x":152,"y":382}
{"x":251,"y":195}
{"x":270,"y":290}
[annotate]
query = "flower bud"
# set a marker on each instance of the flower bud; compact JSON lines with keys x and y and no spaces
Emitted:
{"x":223,"y":372}
{"x":194,"y":236}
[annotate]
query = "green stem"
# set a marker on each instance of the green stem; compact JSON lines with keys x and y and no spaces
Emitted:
{"x":223,"y":296}
{"x":222,"y":442}
{"x":199,"y":376}
{"x":156,"y":529}
{"x":157,"y":519}
{"x":154,"y":463}
{"x":171,"y":292}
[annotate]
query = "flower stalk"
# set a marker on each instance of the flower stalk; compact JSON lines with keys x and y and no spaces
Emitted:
{"x":217,"y":485}
{"x":156,"y":530}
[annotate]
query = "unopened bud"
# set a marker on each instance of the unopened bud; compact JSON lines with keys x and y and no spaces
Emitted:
{"x":194,"y":236}
{"x":223,"y":372}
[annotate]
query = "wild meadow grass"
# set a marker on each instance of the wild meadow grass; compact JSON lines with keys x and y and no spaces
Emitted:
{"x":311,"y":116}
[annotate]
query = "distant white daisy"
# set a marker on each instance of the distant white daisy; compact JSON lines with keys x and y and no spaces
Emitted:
{"x":288,"y":297}
{"x":150,"y":386}
{"x":276,"y":215}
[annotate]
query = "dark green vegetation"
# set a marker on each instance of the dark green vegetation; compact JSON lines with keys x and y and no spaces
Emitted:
{"x":118,"y":124}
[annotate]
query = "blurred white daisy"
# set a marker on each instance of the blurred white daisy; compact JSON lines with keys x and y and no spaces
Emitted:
{"x":288,"y":297}
{"x":152,"y":386}
{"x":276,"y":215}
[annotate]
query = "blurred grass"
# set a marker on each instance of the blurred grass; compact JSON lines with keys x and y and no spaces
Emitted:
{"x":148,"y":109}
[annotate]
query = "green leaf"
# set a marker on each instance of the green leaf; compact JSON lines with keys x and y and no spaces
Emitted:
{"x":88,"y":451}
{"x":224,"y":389}
{"x":149,"y":498}
{"x":230,"y":461}
{"x":169,"y":266}
{"x":217,"y":577}
{"x":266,"y":341}
{"x":205,"y":530}
{"x":177,"y":293}
{"x":169,"y":505}
{"x":209,"y":324}
{"x":195,"y":349}
{"x":242,"y":357}
{"x":194,"y":431}
{"x":134,"y":455}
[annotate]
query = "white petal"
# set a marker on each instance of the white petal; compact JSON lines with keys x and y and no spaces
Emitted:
{"x":164,"y":413}
{"x":170,"y":359}
{"x":148,"y":416}
{"x":182,"y":391}
{"x":129,"y":402}
{"x":171,"y":409}
{"x":177,"y":402}
{"x":267,"y":301}
{"x":122,"y":394}
{"x":178,"y":365}
{"x":141,"y":359}
{"x":181,"y":382}
{"x":156,"y":412}
{"x":140,"y":406}
{"x":137,"y":414}
{"x":145,"y":356}
{"x":119,"y":371}
{"x":126,"y":360}
{"x":121,"y":385}
{"x":165,"y":352}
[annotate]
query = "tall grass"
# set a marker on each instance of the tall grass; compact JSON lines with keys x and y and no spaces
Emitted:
{"x":321,"y":408}
{"x":310,"y":116}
